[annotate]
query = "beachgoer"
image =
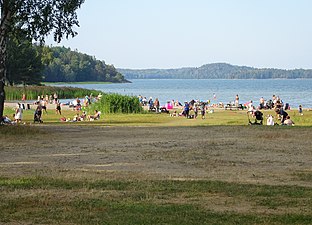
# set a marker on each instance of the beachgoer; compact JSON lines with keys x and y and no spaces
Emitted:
{"x":270,"y":120}
{"x":157,"y":104}
{"x":288,"y":121}
{"x":76,"y":118}
{"x":262,"y":103}
{"x":174,"y":114}
{"x":23,"y":97}
{"x":99,"y":96}
{"x":58,"y":108}
{"x":251,"y":108}
{"x":55,"y":97}
{"x":236,"y":100}
{"x":300,"y":111}
{"x":38,"y":113}
{"x":195,"y":109}
{"x":44,"y":105}
{"x":150,"y":103}
{"x":83,"y":116}
{"x":203,"y":109}
{"x":18,"y":113}
{"x":282,"y":114}
{"x":96,"y":115}
{"x":186,"y":109}
{"x":6,"y":120}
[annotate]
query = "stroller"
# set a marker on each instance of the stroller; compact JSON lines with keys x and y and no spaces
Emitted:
{"x":37,"y":116}
{"x":258,"y":118}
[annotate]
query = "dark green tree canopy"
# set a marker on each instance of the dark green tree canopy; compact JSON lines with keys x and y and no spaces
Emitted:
{"x":38,"y":18}
{"x":24,"y":63}
{"x":65,"y":65}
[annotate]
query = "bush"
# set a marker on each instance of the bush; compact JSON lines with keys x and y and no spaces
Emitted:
{"x":116,"y":103}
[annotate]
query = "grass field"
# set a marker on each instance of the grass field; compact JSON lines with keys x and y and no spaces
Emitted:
{"x":219,"y":117}
{"x":156,"y":169}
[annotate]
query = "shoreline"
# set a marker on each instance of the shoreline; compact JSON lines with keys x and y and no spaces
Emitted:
{"x":11,"y":104}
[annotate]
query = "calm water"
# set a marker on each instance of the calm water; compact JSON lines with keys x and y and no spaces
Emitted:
{"x":294,"y":92}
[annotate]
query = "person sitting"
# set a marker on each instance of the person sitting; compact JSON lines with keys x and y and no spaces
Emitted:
{"x":6,"y":120}
{"x":281,"y":114}
{"x":76,"y":118}
{"x":270,"y":120}
{"x":96,"y":116}
{"x":83,"y":116}
{"x":174,"y":114}
{"x":288,"y":121}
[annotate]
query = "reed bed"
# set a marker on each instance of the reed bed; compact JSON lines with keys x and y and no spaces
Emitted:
{"x":116,"y":103}
{"x":32,"y":92}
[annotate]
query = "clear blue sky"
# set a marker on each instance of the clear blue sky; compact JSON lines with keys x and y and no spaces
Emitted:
{"x":189,"y":33}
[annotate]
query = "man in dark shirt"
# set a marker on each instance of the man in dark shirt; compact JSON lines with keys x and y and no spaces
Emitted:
{"x":282,"y":114}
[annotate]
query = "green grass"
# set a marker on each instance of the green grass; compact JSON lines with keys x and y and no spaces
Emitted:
{"x":62,"y":199}
{"x":59,"y":201}
{"x":219,"y":117}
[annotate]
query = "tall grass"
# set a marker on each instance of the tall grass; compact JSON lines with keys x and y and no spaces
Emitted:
{"x":116,"y":103}
{"x":32,"y":92}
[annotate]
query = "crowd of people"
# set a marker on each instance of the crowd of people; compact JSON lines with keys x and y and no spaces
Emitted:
{"x":190,"y":109}
{"x":40,"y":107}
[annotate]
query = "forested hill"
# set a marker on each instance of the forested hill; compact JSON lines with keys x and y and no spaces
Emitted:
{"x":216,"y":71}
{"x":65,"y":65}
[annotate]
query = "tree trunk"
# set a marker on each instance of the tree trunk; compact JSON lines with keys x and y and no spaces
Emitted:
{"x":5,"y":18}
{"x":2,"y":70}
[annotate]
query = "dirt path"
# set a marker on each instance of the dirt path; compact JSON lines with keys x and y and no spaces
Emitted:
{"x":229,"y":153}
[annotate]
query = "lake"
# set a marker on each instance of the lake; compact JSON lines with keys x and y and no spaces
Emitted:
{"x":294,"y":92}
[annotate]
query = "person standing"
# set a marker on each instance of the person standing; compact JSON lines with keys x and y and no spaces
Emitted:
{"x":55,"y":98}
{"x":203,"y":109}
{"x":236,"y":100}
{"x":300,"y":111}
{"x":58,"y":108}
{"x":24,"y":97}
{"x":157,"y":105}
{"x":186,"y":109}
{"x":262,"y":103}
{"x":18,"y":113}
{"x":150,"y":103}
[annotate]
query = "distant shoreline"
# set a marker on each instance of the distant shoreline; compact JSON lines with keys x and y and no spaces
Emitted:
{"x":217,"y":71}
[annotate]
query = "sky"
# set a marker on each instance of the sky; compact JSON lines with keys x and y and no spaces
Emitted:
{"x":145,"y":34}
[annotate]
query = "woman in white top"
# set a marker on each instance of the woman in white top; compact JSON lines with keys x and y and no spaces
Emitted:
{"x":18,"y":113}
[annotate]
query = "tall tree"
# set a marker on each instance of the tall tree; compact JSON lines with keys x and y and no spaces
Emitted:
{"x":24,"y":62}
{"x":35,"y":19}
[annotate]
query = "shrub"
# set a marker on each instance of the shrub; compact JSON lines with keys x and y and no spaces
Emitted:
{"x":116,"y":103}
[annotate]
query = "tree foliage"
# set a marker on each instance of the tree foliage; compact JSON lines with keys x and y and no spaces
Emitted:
{"x":24,"y":63}
{"x":216,"y":71}
{"x":34,"y":19}
{"x":66,"y":65}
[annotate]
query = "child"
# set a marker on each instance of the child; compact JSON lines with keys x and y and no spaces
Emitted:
{"x":270,"y":120}
{"x":300,"y":110}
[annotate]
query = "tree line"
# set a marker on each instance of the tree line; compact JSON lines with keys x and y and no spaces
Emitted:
{"x":217,"y":71}
{"x":32,"y":64}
